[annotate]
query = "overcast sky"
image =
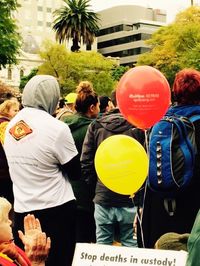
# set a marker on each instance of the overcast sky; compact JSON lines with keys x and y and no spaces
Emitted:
{"x":171,"y":6}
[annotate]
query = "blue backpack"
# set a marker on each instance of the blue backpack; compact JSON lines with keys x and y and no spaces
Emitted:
{"x":172,"y":151}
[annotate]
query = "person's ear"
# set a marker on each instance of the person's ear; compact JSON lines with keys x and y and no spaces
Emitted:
{"x":107,"y":109}
{"x":92,"y":108}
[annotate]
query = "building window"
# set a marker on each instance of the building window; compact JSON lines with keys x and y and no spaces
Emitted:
{"x":124,"y":53}
{"x":48,"y":10}
{"x":136,"y":26}
{"x":88,"y":47}
{"x":127,"y":27}
{"x":40,"y":23}
{"x":122,"y":40}
{"x":48,"y":24}
{"x":9,"y":73}
{"x":21,"y":73}
{"x":144,"y":50}
{"x":40,"y":8}
{"x":145,"y":36}
{"x":111,"y":30}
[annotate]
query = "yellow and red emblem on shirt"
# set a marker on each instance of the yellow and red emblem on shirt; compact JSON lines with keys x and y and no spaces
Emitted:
{"x":20,"y":130}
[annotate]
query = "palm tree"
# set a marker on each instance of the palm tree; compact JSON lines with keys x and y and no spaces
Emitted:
{"x":75,"y":21}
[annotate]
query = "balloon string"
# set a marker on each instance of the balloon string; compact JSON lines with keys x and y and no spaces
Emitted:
{"x":140,"y":215}
{"x":138,"y":218}
{"x":146,"y":141}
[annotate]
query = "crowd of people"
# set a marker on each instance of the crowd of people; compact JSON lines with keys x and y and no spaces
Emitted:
{"x":47,"y":152}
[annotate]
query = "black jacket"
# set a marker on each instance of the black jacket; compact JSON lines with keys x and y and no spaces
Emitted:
{"x":5,"y":181}
{"x":155,"y":220}
{"x":3,"y":161}
{"x":110,"y":124}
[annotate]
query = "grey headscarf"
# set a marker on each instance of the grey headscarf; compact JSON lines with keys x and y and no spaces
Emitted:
{"x":41,"y":92}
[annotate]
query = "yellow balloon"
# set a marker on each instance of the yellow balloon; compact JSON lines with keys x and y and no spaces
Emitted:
{"x":121,"y":164}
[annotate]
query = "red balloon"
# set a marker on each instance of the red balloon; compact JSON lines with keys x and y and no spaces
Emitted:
{"x":143,"y":96}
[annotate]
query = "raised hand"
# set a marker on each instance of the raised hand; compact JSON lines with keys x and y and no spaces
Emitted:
{"x":36,"y":243}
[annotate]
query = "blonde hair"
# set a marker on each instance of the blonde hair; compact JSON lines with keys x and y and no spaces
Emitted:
{"x":6,"y":105}
{"x":5,"y":207}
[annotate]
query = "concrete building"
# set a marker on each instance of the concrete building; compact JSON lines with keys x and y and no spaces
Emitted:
{"x":12,"y":74}
{"x":122,"y":34}
{"x":34,"y":19}
{"x":124,"y":29}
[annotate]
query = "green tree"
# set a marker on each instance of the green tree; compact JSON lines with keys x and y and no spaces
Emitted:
{"x":75,"y":21}
{"x":71,"y":68}
{"x":25,"y":79}
{"x":175,"y":46}
{"x":119,"y":71}
{"x":10,"y":41}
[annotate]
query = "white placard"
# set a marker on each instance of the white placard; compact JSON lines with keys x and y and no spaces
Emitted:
{"x":105,"y":255}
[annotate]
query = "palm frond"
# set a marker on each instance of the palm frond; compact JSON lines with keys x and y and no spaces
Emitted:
{"x":75,"y":20}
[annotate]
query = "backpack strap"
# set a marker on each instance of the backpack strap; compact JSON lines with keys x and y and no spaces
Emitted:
{"x":170,"y":206}
{"x":183,"y":134}
{"x":170,"y":203}
{"x":194,"y":118}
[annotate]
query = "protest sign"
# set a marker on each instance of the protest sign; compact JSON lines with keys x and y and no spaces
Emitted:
{"x":105,"y":255}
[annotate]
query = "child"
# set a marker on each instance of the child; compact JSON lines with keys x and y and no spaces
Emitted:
{"x":36,"y":244}
{"x":8,"y":110}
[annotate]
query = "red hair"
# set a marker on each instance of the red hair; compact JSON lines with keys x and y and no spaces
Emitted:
{"x":186,"y":87}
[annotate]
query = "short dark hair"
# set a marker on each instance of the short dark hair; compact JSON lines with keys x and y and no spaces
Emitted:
{"x":104,"y":100}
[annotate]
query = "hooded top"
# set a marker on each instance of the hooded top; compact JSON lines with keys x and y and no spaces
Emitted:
{"x":78,"y":125}
{"x":36,"y":145}
{"x":112,"y":123}
{"x":37,"y":91}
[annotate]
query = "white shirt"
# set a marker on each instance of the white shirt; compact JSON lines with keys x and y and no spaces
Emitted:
{"x":34,"y":160}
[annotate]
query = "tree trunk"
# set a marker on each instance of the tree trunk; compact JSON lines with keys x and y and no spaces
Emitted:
{"x":75,"y":47}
